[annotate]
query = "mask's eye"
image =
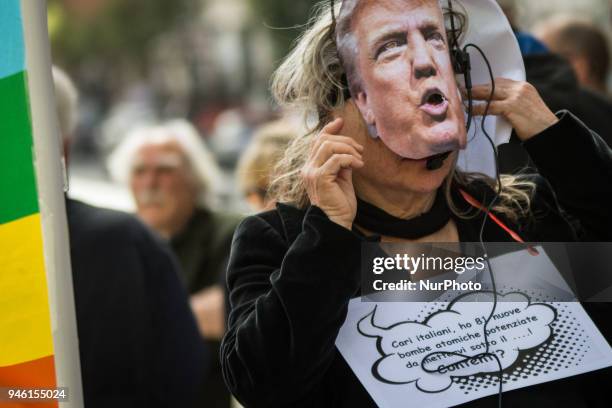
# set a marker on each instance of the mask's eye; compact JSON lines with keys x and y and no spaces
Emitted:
{"x":389,"y":46}
{"x":436,"y":37}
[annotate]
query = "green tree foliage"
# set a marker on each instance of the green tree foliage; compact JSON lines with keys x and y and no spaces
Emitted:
{"x":116,"y":30}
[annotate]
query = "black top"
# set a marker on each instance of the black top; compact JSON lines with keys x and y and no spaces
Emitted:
{"x":375,"y":220}
{"x":292,"y":273}
{"x":138,"y":341}
{"x":555,"y":79}
{"x":202,"y":248}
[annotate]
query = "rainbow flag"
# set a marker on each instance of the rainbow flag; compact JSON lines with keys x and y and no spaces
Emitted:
{"x":26,"y":339}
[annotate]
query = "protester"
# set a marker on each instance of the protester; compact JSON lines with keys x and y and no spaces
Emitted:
{"x":138,"y":342}
{"x":171,"y":175}
{"x":256,"y":165}
{"x":583,"y":44}
{"x":363,"y":175}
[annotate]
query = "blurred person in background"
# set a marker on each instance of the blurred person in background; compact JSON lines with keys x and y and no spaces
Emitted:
{"x":171,"y":175}
{"x":138,"y":342}
{"x":583,"y":44}
{"x":558,"y":85}
{"x":528,"y":43}
{"x":257,"y":163}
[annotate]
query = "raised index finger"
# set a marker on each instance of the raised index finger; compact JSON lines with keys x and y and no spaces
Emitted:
{"x":333,"y":127}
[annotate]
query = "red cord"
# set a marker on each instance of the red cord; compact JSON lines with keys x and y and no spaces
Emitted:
{"x":474,"y":203}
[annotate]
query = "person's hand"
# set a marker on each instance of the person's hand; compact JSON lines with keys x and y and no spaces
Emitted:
{"x":328,"y":174}
{"x":208,"y":307}
{"x":519,"y":102}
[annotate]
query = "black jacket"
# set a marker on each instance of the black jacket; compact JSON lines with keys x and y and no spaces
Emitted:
{"x":292,"y":273}
{"x":138,"y":341}
{"x":555,"y":80}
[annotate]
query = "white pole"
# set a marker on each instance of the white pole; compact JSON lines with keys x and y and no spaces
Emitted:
{"x":49,"y":174}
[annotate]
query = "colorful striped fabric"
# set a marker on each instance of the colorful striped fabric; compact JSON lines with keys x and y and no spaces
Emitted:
{"x":26,"y":343}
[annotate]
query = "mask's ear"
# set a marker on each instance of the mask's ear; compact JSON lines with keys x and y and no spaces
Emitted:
{"x":367,"y":114}
{"x":361,"y":100}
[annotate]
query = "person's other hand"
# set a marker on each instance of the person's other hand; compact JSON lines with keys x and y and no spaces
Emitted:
{"x":328,"y":173}
{"x":519,"y":102}
{"x":208,"y":306}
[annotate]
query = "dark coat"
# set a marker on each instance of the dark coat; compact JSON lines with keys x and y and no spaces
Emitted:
{"x":292,"y":273}
{"x":202,"y":249}
{"x":138,"y":341}
{"x":555,"y":80}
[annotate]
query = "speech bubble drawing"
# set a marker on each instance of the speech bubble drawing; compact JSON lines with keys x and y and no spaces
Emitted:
{"x":516,"y":325}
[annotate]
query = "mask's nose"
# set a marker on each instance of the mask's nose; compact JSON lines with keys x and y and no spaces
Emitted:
{"x":422,"y":62}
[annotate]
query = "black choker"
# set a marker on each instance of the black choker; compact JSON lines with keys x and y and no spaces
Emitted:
{"x":377,"y":221}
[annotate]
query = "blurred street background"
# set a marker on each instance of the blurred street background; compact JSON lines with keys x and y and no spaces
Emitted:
{"x":208,"y":61}
{"x":174,"y":109}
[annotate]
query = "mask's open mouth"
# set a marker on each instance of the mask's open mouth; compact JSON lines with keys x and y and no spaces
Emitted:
{"x":433,"y":97}
{"x":435,"y":104}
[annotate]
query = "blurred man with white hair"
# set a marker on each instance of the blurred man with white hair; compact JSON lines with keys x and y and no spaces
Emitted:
{"x":172,"y":176}
{"x":138,"y":341}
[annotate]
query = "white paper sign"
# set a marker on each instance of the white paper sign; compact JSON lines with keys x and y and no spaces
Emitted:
{"x":489,"y":29}
{"x":398,"y":350}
